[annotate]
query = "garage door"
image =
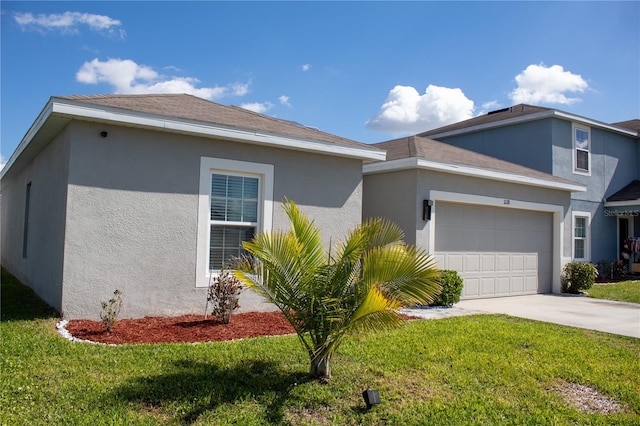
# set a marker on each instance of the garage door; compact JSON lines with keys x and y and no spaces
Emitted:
{"x":497,"y":251}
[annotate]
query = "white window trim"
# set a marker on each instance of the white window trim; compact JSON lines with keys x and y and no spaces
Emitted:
{"x":574,"y":150}
{"x":587,"y":239}
{"x":208,"y":165}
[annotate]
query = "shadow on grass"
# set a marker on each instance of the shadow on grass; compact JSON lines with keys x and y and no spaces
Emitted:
{"x":20,"y":303}
{"x":198,"y":387}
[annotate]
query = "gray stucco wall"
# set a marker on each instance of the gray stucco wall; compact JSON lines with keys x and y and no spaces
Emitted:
{"x":524,"y":143}
{"x":393,"y":196}
{"x":132,"y":214}
{"x":41,"y":269}
{"x":613,"y":166}
{"x":383,"y":197}
{"x":547,"y":145}
{"x":430,"y":180}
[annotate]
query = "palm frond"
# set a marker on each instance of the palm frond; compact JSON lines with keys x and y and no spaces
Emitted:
{"x":406,"y":273}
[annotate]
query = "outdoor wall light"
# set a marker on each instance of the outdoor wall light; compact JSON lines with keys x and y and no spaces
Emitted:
{"x":103,"y":134}
{"x":426,"y":209}
{"x":371,"y":398}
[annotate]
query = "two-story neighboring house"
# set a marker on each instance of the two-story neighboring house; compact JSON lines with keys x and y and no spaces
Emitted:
{"x":605,"y":158}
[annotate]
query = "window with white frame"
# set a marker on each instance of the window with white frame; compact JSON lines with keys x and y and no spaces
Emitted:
{"x":581,"y":223}
{"x":582,"y":149}
{"x":235,"y":203}
{"x":234,"y":216}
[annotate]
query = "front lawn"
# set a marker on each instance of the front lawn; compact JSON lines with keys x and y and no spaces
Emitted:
{"x":625,"y":291}
{"x":483,"y":369}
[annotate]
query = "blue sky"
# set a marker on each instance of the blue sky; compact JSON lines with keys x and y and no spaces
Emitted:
{"x":368,"y":71}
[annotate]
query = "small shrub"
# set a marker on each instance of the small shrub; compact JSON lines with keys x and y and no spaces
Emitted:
{"x":451,"y":284}
{"x":612,"y":269}
{"x":620,"y":268}
{"x":223,"y":294}
{"x":577,"y":276}
{"x":111,"y":310}
{"x":604,"y":269}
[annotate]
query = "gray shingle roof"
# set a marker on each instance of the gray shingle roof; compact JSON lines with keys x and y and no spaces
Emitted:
{"x":515,"y":111}
{"x":189,"y":107}
{"x":629,"y":124}
{"x":508,"y":115}
{"x":630,"y":192}
{"x":431,"y":150}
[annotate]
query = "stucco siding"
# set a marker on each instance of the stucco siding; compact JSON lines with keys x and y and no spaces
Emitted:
{"x":523,"y":144}
{"x":612,"y":167}
{"x":41,"y":267}
{"x":133,"y":206}
{"x":393,"y":196}
{"x":434,"y":181}
{"x":390,"y":195}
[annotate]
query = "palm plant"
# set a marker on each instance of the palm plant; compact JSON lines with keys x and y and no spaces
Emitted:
{"x":327,"y":296}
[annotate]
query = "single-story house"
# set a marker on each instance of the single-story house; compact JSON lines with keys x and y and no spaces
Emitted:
{"x":149,"y":194}
{"x":504,"y":227}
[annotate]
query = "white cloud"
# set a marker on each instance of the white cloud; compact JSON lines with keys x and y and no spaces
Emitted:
{"x":548,"y":85}
{"x":3,"y":162}
{"x":406,"y":111}
{"x":284,"y":100}
{"x":306,"y":67}
{"x":68,"y":22}
{"x":127,"y":77}
{"x":489,"y":106}
{"x":260,"y":107}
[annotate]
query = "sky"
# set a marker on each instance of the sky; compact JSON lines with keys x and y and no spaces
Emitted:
{"x":367,"y":71}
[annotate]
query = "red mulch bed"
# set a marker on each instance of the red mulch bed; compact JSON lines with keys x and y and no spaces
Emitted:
{"x":186,"y":328}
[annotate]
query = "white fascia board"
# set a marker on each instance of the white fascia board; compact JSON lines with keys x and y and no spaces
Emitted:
{"x":534,"y":117}
{"x":408,"y":163}
{"x":196,"y":128}
{"x":33,"y":130}
{"x":622,"y":203}
{"x":593,"y":123}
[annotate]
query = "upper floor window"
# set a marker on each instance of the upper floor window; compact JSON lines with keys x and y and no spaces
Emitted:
{"x":581,"y":149}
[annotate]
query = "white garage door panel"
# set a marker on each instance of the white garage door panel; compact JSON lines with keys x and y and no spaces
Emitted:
{"x":497,"y":251}
{"x":493,"y":274}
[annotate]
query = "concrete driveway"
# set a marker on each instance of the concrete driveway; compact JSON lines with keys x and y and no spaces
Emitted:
{"x":575,"y":311}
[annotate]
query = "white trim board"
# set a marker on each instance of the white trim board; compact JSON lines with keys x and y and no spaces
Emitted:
{"x":533,"y":117}
{"x":96,"y":113}
{"x":418,"y":163}
{"x":138,"y":119}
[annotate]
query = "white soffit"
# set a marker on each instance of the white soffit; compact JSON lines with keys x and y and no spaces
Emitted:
{"x":418,"y":163}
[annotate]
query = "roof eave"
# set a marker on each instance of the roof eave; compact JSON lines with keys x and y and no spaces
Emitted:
{"x":29,"y":136}
{"x":534,"y":117}
{"x":413,"y":163}
{"x":627,"y":203}
{"x":78,"y":110}
{"x":136,"y":119}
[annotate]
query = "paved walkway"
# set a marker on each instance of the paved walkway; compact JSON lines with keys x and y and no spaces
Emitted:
{"x":575,"y":311}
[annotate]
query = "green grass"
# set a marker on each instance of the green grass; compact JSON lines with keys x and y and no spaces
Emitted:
{"x":625,"y":291}
{"x":484,"y":369}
